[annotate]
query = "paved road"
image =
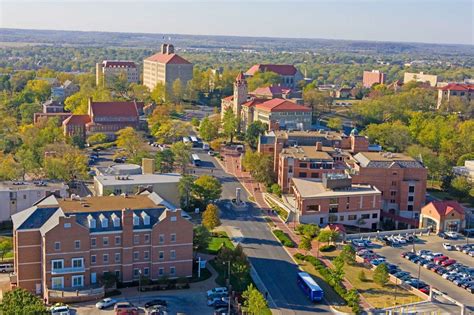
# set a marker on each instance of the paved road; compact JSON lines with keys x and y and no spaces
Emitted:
{"x":272,"y":263}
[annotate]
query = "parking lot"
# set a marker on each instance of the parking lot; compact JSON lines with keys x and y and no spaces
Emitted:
{"x":435,"y":244}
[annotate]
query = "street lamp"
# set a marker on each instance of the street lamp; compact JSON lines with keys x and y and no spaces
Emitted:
{"x":228,"y":285}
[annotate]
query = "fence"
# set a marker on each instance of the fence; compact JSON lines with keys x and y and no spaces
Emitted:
{"x":371,"y":235}
{"x":68,"y":296}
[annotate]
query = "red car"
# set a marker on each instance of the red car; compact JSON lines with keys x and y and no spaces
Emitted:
{"x":425,"y":290}
{"x":448,"y":262}
{"x":440,"y":259}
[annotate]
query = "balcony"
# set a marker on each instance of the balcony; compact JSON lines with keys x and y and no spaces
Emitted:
{"x":70,"y":295}
{"x":65,"y":270}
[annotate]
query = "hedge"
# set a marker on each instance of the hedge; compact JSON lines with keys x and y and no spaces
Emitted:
{"x":284,"y":238}
{"x":327,"y":248}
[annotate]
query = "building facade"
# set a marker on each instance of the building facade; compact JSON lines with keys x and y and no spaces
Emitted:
{"x":334,"y":199}
{"x":67,"y":245}
{"x":443,"y":216}
{"x":460,"y":91}
{"x":109,"y":69}
{"x":370,"y":78}
{"x":420,"y":77}
{"x":289,"y":74}
{"x":166,"y":67}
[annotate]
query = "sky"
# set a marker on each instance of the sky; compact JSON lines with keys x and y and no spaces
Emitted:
{"x":429,"y":21}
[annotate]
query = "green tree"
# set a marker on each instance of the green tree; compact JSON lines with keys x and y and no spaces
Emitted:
{"x":201,"y":238}
{"x":177,"y":91}
{"x":209,"y":128}
{"x":119,"y":84}
{"x":181,"y":153}
{"x":171,"y":131}
{"x":362,"y":277}
{"x":66,"y":163}
{"x":335,"y":123}
{"x":392,"y":136}
{"x":20,"y":301}
{"x":308,"y":230}
{"x":97,"y":138}
{"x":164,"y":161}
{"x":229,"y":124}
{"x":327,"y":236}
{"x":348,"y":254}
{"x":207,"y":188}
{"x":305,"y":244}
{"x":337,"y":274}
{"x":381,"y":275}
{"x":461,"y":187}
{"x":185,"y":188}
{"x":159,"y":95}
{"x":195,"y":122}
{"x":255,"y":302}
{"x":6,"y":246}
{"x":260,"y":166}
{"x":27,"y":111}
{"x":9,"y":168}
{"x":132,"y":144}
{"x":254,"y":130}
{"x":263,"y":79}
{"x":40,"y":88}
{"x":210,"y":217}
{"x":276,"y":189}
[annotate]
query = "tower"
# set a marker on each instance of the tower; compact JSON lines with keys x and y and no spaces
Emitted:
{"x":240,"y":94}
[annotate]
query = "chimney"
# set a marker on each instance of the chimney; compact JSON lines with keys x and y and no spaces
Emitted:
{"x":148,"y":166}
{"x":164,"y":48}
{"x":170,"y":49}
{"x":319,"y":146}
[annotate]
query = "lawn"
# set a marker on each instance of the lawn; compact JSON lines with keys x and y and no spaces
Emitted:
{"x":8,"y":256}
{"x":218,"y":240}
{"x":377,"y":295}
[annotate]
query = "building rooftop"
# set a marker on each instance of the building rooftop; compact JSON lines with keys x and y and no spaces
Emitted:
{"x":116,"y":109}
{"x":309,"y":188}
{"x":458,"y":87}
{"x":308,"y":152}
{"x":279,"y":69}
{"x":139,"y":179}
{"x":36,"y":185}
{"x":330,"y":135}
{"x":120,"y":169}
{"x":386,"y":160}
{"x":168,"y":59}
{"x":106,"y":203}
{"x":271,"y":91}
{"x":443,"y":208}
{"x":281,"y":105}
{"x":118,"y":64}
{"x":77,"y":120}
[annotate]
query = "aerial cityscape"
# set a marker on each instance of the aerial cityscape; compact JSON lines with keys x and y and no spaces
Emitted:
{"x":218,"y":157}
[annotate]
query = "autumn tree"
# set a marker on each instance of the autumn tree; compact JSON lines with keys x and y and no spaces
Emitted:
{"x":65,"y":163}
{"x":210,"y":217}
{"x":209,"y":128}
{"x":177,"y":91}
{"x":159,"y":94}
{"x":207,"y":188}
{"x":132,"y":144}
{"x":97,"y":138}
{"x":164,"y":161}
{"x":255,"y":302}
{"x":181,"y":153}
{"x":263,"y":79}
{"x":171,"y":131}
{"x":230,"y":124}
{"x":335,"y":123}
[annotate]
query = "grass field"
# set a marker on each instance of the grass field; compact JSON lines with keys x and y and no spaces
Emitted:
{"x":217,"y":241}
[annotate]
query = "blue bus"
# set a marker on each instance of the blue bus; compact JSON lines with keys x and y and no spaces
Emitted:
{"x":309,"y":287}
{"x":196,"y":160}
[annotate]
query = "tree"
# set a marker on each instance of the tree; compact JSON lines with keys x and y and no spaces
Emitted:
{"x":254,"y":301}
{"x":207,"y":188}
{"x":276,"y":189}
{"x":177,"y":91}
{"x":181,"y":153}
{"x":259,"y":165}
{"x":185,"y":187}
{"x":263,"y":79}
{"x":9,"y":168}
{"x":20,"y":301}
{"x":119,"y":84}
{"x":337,"y":274}
{"x":381,"y":274}
{"x":461,"y":187}
{"x":393,"y":136}
{"x":348,"y":254}
{"x":40,"y":88}
{"x":210,"y":217}
{"x":327,"y":236}
{"x":132,"y":144}
{"x":97,"y":138}
{"x":254,"y":130}
{"x":308,"y":230}
{"x":305,"y":244}
{"x":6,"y":246}
{"x":362,"y":277}
{"x":335,"y":123}
{"x":229,"y":124}
{"x":65,"y":163}
{"x":164,"y":161}
{"x":209,"y":128}
{"x":201,"y":237}
{"x":195,"y":122}
{"x":171,"y":131}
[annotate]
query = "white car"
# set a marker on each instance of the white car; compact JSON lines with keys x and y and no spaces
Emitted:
{"x":447,"y":246}
{"x":60,"y":310}
{"x":453,"y":235}
{"x":107,"y":302}
{"x":217,"y":291}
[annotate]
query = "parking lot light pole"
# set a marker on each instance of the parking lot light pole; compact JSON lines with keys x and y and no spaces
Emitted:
{"x":228,"y":286}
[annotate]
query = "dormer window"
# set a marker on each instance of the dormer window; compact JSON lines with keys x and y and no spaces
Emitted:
{"x":146,"y":218}
{"x":91,"y":222}
{"x":115,"y":220}
{"x":104,"y":222}
{"x":136,"y":219}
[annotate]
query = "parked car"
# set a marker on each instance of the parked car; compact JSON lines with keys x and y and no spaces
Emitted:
{"x":4,"y":268}
{"x":107,"y":302}
{"x":377,"y":261}
{"x":459,"y":281}
{"x":416,"y":283}
{"x":441,"y":271}
{"x":220,"y":304}
{"x":401,"y":274}
{"x":438,"y":260}
{"x":470,"y":289}
{"x":156,"y":302}
{"x":433,"y":256}
{"x":447,"y":246}
{"x":467,"y":284}
{"x":359,"y":243}
{"x":425,"y":290}
{"x":217,"y":290}
{"x":450,"y":273}
{"x":429,"y":265}
{"x":448,"y":262}
{"x":125,"y":307}
{"x":452,"y":235}
{"x":60,"y":310}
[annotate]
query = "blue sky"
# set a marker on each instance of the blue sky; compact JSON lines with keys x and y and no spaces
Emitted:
{"x":432,"y":21}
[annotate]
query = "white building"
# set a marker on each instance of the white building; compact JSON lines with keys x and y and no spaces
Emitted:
{"x":18,"y":196}
{"x":467,"y":170}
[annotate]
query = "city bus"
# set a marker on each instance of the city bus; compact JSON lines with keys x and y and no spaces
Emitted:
{"x":196,"y":160}
{"x":194,"y":141}
{"x":310,"y":288}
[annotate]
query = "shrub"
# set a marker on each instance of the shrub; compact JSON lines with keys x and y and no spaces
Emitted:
{"x":362,"y":276}
{"x":276,"y":189}
{"x":284,"y":238}
{"x":381,"y":274}
{"x":299,"y":256}
{"x":327,"y":248}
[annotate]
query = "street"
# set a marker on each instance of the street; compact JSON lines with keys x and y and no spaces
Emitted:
{"x":273,"y":265}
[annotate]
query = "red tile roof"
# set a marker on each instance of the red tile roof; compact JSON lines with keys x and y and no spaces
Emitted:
{"x":168,"y":58}
{"x":281,"y":105}
{"x":240,"y":77}
{"x":458,"y":87}
{"x":254,"y":102}
{"x":271,"y":90}
{"x":446,"y":207}
{"x":119,"y":63}
{"x":117,"y":109}
{"x":280,"y":69}
{"x":77,"y":120}
{"x":229,"y":98}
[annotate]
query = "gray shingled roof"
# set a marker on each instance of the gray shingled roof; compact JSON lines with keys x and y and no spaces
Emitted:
{"x":52,"y":221}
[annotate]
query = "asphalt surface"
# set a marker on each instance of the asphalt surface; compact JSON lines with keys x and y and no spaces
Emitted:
{"x":272,"y":263}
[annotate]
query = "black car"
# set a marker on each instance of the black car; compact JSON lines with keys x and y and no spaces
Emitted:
{"x":220,"y":304}
{"x":156,"y":302}
{"x":465,"y":285}
{"x":441,"y":271}
{"x":470,"y":289}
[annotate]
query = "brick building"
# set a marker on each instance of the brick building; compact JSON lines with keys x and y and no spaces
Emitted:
{"x":108,"y":69}
{"x":289,"y":74}
{"x":63,"y":246}
{"x":463,"y":92}
{"x":334,"y":199}
{"x":373,"y":77}
{"x":443,"y":216}
{"x":166,"y":67}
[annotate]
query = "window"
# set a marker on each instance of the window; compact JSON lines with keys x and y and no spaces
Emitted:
{"x":93,"y":277}
{"x":341,"y":218}
{"x":173,"y":219}
{"x":77,"y":281}
{"x":161,"y":238}
{"x":136,"y":273}
{"x":410,"y":198}
{"x":314,"y":175}
{"x":303,"y":165}
{"x":117,"y":274}
{"x":290,"y":169}
{"x":332,"y":218}
{"x":117,"y":257}
{"x":312,"y":208}
{"x":147,"y":238}
{"x":394,"y":183}
{"x":172,"y":271}
{"x":118,"y":240}
{"x":57,"y":282}
{"x":136,"y":219}
{"x":57,"y":264}
{"x":135,"y":256}
{"x":57,"y":245}
{"x":352,"y":217}
{"x":333,"y":208}
{"x":375,"y":215}
{"x":93,"y":242}
{"x":394,"y":173}
{"x":77,"y":262}
{"x":321,"y":220}
{"x":93,"y":259}
{"x":302,"y":174}
{"x":106,"y":258}
{"x":136,"y":239}
{"x":393,"y":193}
{"x":146,"y":271}
{"x":105,"y":241}
{"x":146,"y":255}
{"x":392,"y":201}
{"x":161,"y":271}
{"x":115,"y":220}
{"x":411,"y":189}
{"x":77,"y":244}
{"x":91,"y":221}
{"x":104,"y":222}
{"x":172,"y":254}
{"x":365,"y":216}
{"x":173,"y":237}
{"x":161,"y":255}
{"x":410,"y":208}
{"x":145,"y":217}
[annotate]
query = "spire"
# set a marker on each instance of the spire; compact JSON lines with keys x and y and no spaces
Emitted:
{"x":240,"y":77}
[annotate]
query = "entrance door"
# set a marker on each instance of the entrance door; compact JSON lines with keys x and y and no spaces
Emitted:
{"x":38,"y":288}
{"x":93,"y":277}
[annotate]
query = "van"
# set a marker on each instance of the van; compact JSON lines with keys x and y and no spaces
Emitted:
{"x":4,"y":268}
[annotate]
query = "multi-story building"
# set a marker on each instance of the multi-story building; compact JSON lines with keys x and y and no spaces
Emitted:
{"x":60,"y":93}
{"x":334,"y":199}
{"x":370,"y":78}
{"x":166,"y":67}
{"x":467,"y":170}
{"x":19,"y":195}
{"x":109,"y":69}
{"x":443,"y":216}
{"x":462,"y":91}
{"x":289,"y":74}
{"x":63,"y":247}
{"x":420,"y":77}
{"x":400,"y":178}
{"x":52,"y":106}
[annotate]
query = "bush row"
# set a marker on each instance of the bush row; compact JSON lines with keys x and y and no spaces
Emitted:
{"x":351,"y":296}
{"x":327,"y":248}
{"x":284,"y":238}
